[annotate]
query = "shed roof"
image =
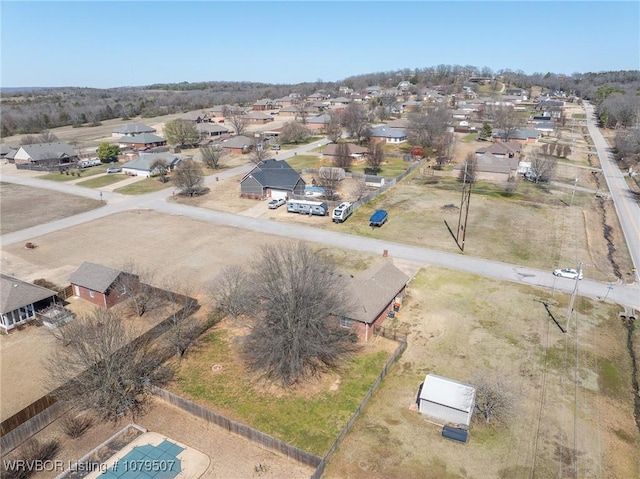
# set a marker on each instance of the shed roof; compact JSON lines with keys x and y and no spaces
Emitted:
{"x":94,"y":276}
{"x":15,"y":293}
{"x":373,"y":290}
{"x":450,"y":393}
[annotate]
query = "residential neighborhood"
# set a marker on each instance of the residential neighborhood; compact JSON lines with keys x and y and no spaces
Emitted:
{"x":383,"y":275}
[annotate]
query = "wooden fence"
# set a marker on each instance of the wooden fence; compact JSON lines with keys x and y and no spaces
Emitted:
{"x":345,"y":430}
{"x":258,"y":437}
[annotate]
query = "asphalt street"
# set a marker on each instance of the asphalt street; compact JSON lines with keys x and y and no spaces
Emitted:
{"x":628,"y":295}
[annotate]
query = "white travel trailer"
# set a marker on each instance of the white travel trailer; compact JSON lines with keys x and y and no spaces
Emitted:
{"x":306,"y":207}
{"x":342,"y":212}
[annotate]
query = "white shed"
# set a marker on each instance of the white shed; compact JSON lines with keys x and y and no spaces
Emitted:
{"x":447,"y":401}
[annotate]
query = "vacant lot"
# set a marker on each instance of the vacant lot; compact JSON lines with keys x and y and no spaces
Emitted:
{"x":23,"y":207}
{"x":571,"y":393}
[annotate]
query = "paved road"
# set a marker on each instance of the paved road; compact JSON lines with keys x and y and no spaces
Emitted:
{"x":623,"y":294}
{"x":626,"y":205}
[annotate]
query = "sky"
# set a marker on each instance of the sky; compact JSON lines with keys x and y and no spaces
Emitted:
{"x":128,"y":43}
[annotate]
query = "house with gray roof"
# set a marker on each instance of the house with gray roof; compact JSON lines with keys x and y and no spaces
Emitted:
{"x":510,"y":149}
{"x":132,"y":129}
{"x":387,"y":135}
{"x":101,"y":285}
{"x":492,"y":168}
{"x":340,"y":101}
{"x":143,"y":165}
{"x":142,"y":141}
{"x":196,"y":117}
{"x":257,"y":117}
{"x":238,"y":144}
{"x":212,"y":129}
{"x":21,"y":301}
{"x":272,"y":178}
{"x":522,"y":135}
{"x":45,"y":155}
{"x":374,"y":292}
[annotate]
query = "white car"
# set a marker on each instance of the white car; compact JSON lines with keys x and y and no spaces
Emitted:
{"x":273,"y":204}
{"x":568,"y":273}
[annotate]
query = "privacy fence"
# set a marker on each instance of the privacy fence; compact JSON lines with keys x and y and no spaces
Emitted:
{"x":36,"y":416}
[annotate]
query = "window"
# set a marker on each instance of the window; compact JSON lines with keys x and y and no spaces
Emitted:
{"x":345,"y":322}
{"x":91,"y":294}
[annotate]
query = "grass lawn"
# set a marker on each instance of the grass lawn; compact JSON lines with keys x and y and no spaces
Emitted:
{"x":57,"y":176}
{"x":148,"y":185}
{"x":469,"y":138}
{"x":102,"y":181}
{"x":392,"y":167}
{"x":579,"y":116}
{"x":310,"y":421}
{"x":300,"y":162}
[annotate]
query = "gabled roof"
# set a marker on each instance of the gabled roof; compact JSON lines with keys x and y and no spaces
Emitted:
{"x":501,"y":148}
{"x":143,"y":138}
{"x":264,"y":101}
{"x":6,"y":149}
{"x":332,"y":149}
{"x":489,"y":163}
{"x":145,"y":160}
{"x":448,"y":392}
{"x":133,"y":128}
{"x":275,"y":174}
{"x":373,"y":290}
{"x":48,"y":151}
{"x":319,"y":119}
{"x":239,"y":141}
{"x":258,"y":115}
{"x":194,"y":116}
{"x":399,"y":123}
{"x":15,"y":293}
{"x":292,"y":108}
{"x":94,"y":276}
{"x":386,"y":132}
{"x":341,"y":99}
{"x":212,"y":128}
{"x":521,"y":134}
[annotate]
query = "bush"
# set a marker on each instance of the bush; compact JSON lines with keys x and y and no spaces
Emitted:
{"x":76,"y":426}
{"x":32,"y":451}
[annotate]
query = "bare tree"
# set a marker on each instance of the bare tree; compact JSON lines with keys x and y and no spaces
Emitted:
{"x":293,"y":132}
{"x":428,"y":128}
{"x":566,"y":151}
{"x":236,"y":119}
{"x":360,"y":190}
{"x":47,"y":137}
{"x":354,"y":120}
{"x":507,"y":120}
{"x":160,"y":167}
{"x":134,"y":284}
{"x":184,"y":328}
{"x":294,"y":332}
{"x":329,"y":179}
{"x":181,"y":132}
{"x":100,"y":365}
{"x":211,"y":155}
{"x":375,"y":157}
{"x":494,"y":399}
{"x":543,"y":167}
{"x":230,"y":291}
{"x":188,"y":177}
{"x":342,"y":158}
{"x":258,"y":152}
{"x":333,"y":127}
{"x":29,"y":140}
{"x":302,"y":112}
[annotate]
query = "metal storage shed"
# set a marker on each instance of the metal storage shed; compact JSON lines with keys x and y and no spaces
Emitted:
{"x":447,"y":401}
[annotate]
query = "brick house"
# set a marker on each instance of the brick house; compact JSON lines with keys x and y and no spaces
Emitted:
{"x":45,"y":155}
{"x":375,"y":292}
{"x":21,"y":301}
{"x":142,"y":141}
{"x":101,"y":285}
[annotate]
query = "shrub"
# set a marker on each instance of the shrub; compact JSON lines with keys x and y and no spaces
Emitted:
{"x":32,"y":451}
{"x":76,"y":426}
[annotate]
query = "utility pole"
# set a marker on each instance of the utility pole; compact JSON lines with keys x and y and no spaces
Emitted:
{"x":464,"y":205}
{"x":574,"y":294}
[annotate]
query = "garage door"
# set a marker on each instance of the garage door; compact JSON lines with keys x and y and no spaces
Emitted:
{"x":277,"y":194}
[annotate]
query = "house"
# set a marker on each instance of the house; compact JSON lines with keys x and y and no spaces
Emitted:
{"x":460,"y":114}
{"x":399,"y":123}
{"x":387,"y":135}
{"x":509,"y":149}
{"x":340,"y":101}
{"x":45,"y":155}
{"x":355,"y":151}
{"x":286,"y":101}
{"x":141,"y":141}
{"x":522,"y":136}
{"x":7,"y":152}
{"x":21,"y":301}
{"x":545,"y":126}
{"x":264,"y":104}
{"x":101,"y":285}
{"x":132,"y":129}
{"x":446,"y":401}
{"x":291,"y":110}
{"x":212,"y":129}
{"x":272,"y":178}
{"x":142,"y":166}
{"x":257,"y":117}
{"x":375,"y":292}
{"x":318,"y":122}
{"x":493,"y":169}
{"x":196,"y":117}
{"x":238,"y":144}
{"x":410,"y":105}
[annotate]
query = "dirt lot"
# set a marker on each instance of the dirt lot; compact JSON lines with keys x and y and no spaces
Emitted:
{"x":571,"y":418}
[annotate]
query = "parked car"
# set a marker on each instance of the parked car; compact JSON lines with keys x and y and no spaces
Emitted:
{"x":568,"y":273}
{"x":273,"y":204}
{"x":276,"y":147}
{"x":114,"y":169}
